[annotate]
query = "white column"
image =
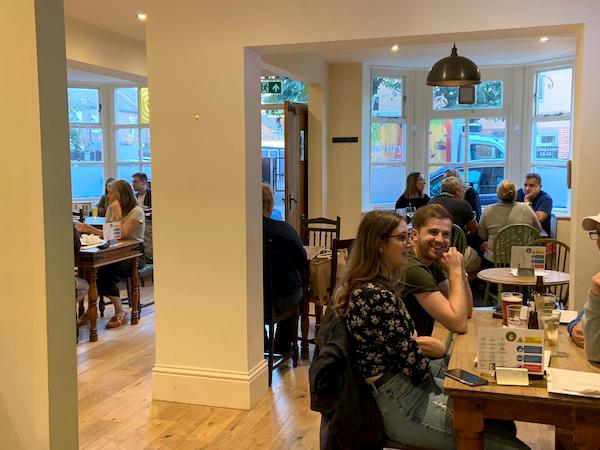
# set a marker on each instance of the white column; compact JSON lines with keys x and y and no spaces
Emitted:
{"x":38,"y":384}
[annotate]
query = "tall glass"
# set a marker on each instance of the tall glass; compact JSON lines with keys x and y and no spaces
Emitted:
{"x":549,"y":321}
{"x":544,"y":301}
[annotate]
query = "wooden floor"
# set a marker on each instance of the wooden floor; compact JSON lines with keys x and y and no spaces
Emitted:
{"x":116,"y":410}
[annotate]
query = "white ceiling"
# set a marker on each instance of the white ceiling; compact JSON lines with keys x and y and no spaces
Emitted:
{"x":118,"y":16}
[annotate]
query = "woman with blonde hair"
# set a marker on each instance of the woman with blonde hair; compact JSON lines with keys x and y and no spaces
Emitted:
{"x":388,"y":353}
{"x":506,"y":212}
{"x":131,"y":217}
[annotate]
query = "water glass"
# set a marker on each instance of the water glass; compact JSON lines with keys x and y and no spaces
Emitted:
{"x":549,"y":320}
{"x":545,"y":301}
{"x":517,"y":316}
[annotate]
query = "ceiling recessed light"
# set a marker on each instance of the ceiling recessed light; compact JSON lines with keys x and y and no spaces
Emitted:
{"x":141,"y":17}
{"x":544,"y":39}
{"x":395,"y":48}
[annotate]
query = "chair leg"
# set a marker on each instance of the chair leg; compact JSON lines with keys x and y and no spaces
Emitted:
{"x":80,"y":308}
{"x":486,"y":294}
{"x":318,"y":317}
{"x":101,"y":305}
{"x":295,"y":342}
{"x":271,"y":351}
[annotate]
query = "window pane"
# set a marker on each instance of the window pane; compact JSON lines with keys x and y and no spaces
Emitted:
{"x":87,"y":180}
{"x":387,"y":183}
{"x":553,"y":92}
{"x":125,"y":171}
{"x":554,"y":182}
{"x":144,"y":105}
{"x":446,"y":140}
{"x":126,"y":106}
{"x":84,"y":105}
{"x":386,"y":97}
{"x":485,"y":180}
{"x":488,"y":95}
{"x":291,"y":90}
{"x":128,"y":144}
{"x":552,"y":141}
{"x":387,"y":142}
{"x":436,"y":175}
{"x":85,"y":144}
{"x":486,"y":139}
{"x":145,"y":140}
{"x":273,"y":145}
{"x":147,"y":169}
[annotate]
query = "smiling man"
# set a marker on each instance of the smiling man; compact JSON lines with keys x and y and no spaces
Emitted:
{"x":429,"y":294}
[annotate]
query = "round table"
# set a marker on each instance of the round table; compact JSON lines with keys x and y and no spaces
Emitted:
{"x":502,"y":275}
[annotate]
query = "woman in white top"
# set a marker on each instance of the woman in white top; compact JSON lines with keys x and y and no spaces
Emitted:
{"x":126,"y":210}
{"x":507,"y":212}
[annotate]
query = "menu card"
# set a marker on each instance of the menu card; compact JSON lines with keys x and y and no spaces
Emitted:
{"x":111,"y":231}
{"x":528,"y":257}
{"x":511,"y":347}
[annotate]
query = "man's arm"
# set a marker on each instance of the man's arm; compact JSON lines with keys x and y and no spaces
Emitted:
{"x":451,"y":310}
{"x":591,"y":323}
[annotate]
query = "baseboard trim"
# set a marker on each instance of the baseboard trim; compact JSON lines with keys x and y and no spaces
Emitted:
{"x":210,"y":387}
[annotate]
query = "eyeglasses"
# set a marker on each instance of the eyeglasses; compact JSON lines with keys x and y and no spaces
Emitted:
{"x":594,"y":235}
{"x":404,"y":238}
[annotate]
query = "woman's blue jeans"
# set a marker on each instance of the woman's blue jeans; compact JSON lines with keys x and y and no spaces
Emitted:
{"x":421,"y":415}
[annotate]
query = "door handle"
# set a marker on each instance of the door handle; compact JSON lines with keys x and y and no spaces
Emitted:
{"x":290,"y":200}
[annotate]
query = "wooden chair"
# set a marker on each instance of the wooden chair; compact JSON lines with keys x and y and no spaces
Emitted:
{"x":514,"y":234}
{"x":320,"y":232}
{"x":273,"y":317}
{"x":557,"y":258}
{"x":458,"y":238}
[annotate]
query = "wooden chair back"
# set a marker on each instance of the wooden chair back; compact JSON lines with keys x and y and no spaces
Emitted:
{"x":338,"y":245}
{"x":320,"y":231}
{"x":557,"y":258}
{"x":458,"y":238}
{"x":515,"y":234}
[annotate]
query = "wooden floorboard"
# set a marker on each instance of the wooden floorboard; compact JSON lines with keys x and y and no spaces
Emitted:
{"x":116,"y":410}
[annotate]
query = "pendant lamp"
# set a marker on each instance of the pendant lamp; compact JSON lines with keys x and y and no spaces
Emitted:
{"x":454,"y":70}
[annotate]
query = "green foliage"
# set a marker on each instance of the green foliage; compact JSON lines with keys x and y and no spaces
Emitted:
{"x":291,"y":90}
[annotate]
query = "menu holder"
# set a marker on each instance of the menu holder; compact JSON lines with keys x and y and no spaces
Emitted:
{"x":527,"y":257}
{"x":511,"y":347}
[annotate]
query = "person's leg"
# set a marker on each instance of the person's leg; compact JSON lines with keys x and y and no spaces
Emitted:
{"x":108,"y":277}
{"x":283,"y":335}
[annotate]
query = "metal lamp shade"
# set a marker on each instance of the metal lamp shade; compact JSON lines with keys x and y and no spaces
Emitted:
{"x":454,"y":70}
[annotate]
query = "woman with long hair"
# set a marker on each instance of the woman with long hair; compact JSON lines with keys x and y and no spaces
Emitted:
{"x":414,"y":194}
{"x":131,"y":217}
{"x":104,"y":202}
{"x":388,"y":353}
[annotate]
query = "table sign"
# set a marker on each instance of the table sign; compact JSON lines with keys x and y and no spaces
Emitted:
{"x":111,"y":231}
{"x":511,"y":347}
{"x":528,"y":257}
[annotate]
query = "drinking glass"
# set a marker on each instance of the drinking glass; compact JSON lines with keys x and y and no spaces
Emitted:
{"x":510,"y":298}
{"x":548,"y":320}
{"x":545,"y":301}
{"x":517,"y":316}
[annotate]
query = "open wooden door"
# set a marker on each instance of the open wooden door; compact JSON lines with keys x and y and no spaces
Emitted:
{"x":296,"y":163}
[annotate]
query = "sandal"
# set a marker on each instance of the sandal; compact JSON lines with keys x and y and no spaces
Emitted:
{"x":84,"y":319}
{"x":117,"y":321}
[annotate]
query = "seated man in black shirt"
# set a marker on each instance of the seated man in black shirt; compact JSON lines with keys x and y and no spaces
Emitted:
{"x":289,"y":258}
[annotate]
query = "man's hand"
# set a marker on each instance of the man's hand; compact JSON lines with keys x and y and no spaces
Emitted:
{"x":452,"y":260}
{"x":533,"y":194}
{"x":577,"y":334}
{"x":595,"y":289}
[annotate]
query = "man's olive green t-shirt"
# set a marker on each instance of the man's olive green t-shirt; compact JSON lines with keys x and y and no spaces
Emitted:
{"x":420,"y":279}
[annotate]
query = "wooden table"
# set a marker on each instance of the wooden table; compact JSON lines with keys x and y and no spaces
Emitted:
{"x":502,"y":275}
{"x":577,"y":419}
{"x":96,"y":222}
{"x":318,"y":293}
{"x":88,"y":262}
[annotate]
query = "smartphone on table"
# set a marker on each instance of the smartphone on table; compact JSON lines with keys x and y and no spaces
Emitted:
{"x":464,"y":377}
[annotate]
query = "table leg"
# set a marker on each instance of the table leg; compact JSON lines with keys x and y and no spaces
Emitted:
{"x":80,"y":306}
{"x":587,"y":433}
{"x":93,"y":304}
{"x":304,"y":327}
{"x":135,"y":293}
{"x":563,"y":438}
{"x":468,"y":424}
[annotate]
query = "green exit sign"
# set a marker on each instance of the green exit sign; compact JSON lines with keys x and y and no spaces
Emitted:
{"x":270,"y":87}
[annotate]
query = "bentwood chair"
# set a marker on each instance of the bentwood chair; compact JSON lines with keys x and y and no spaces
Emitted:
{"x":273,"y":317}
{"x":320,"y":232}
{"x":458,"y":238}
{"x":514,"y":234}
{"x":557,"y":258}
